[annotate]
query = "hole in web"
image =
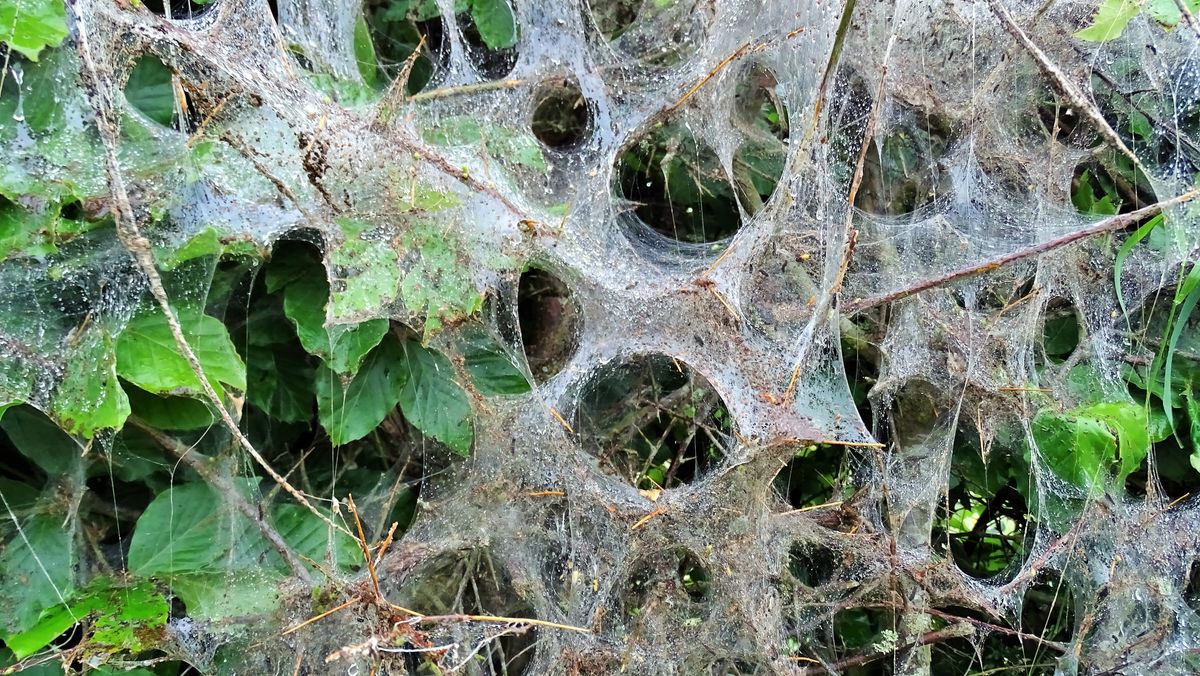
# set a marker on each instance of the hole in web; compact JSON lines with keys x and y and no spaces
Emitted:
{"x":675,"y":184}
{"x":1104,"y":188}
{"x":983,"y":522}
{"x":760,"y":115}
{"x":150,"y":92}
{"x":915,"y":412}
{"x":473,"y":584}
{"x":490,"y":33}
{"x":990,"y":651}
{"x":396,"y":28}
{"x":1060,"y":330}
{"x":903,"y":169}
{"x":179,"y":9}
{"x":655,"y":33}
{"x":815,"y":475}
{"x":1191,"y":592}
{"x":672,"y":580}
{"x":811,"y":565}
{"x":1047,"y":612}
{"x":561,"y":116}
{"x":613,"y":17}
{"x":551,"y":322}
{"x":654,"y":422}
{"x":866,"y":632}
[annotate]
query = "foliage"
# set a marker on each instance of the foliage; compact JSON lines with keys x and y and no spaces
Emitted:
{"x":29,"y":26}
{"x":1114,"y":15}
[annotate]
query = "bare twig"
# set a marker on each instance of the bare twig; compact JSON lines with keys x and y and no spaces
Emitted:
{"x":225,"y":488}
{"x":1110,"y":224}
{"x":929,"y":637}
{"x":130,"y":235}
{"x":1188,"y":17}
{"x":1064,"y":84}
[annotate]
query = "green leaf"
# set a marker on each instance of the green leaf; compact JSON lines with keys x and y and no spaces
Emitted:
{"x":207,"y":242}
{"x":1110,"y":20}
{"x":439,"y":284}
{"x":364,"y":53}
{"x":341,"y":346}
{"x":1186,"y":298}
{"x":1081,"y":446}
{"x":167,"y":412}
{"x":1167,"y":12}
{"x":40,"y":440}
{"x":1193,"y":412}
{"x":312,"y":538}
{"x":372,"y":272}
{"x":214,"y":597}
{"x":185,"y":529}
{"x":149,"y":90}
{"x":490,"y":368}
{"x":123,"y":619}
{"x":1132,"y":427}
{"x":504,"y":144}
{"x":433,"y":402}
{"x":37,"y":570}
{"x":1061,"y":335}
{"x":1076,"y":449}
{"x":350,"y":412}
{"x":1123,"y":253}
{"x":279,"y":372}
{"x":30,"y":25}
{"x":496,"y":23}
{"x":18,"y":496}
{"x":89,"y":397}
{"x":148,"y":357}
{"x":30,"y":234}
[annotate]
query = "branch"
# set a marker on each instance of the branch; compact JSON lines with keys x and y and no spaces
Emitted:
{"x":951,"y":632}
{"x":130,"y":235}
{"x":1064,"y":84}
{"x":223,"y":486}
{"x":1107,"y":225}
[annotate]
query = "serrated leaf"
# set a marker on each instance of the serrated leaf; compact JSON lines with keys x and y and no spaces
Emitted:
{"x":341,"y":346}
{"x":28,"y":26}
{"x":148,"y":357}
{"x":490,"y":368}
{"x":433,"y":402}
{"x":1110,"y":20}
{"x":185,"y":529}
{"x":350,"y":412}
{"x":312,"y":538}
